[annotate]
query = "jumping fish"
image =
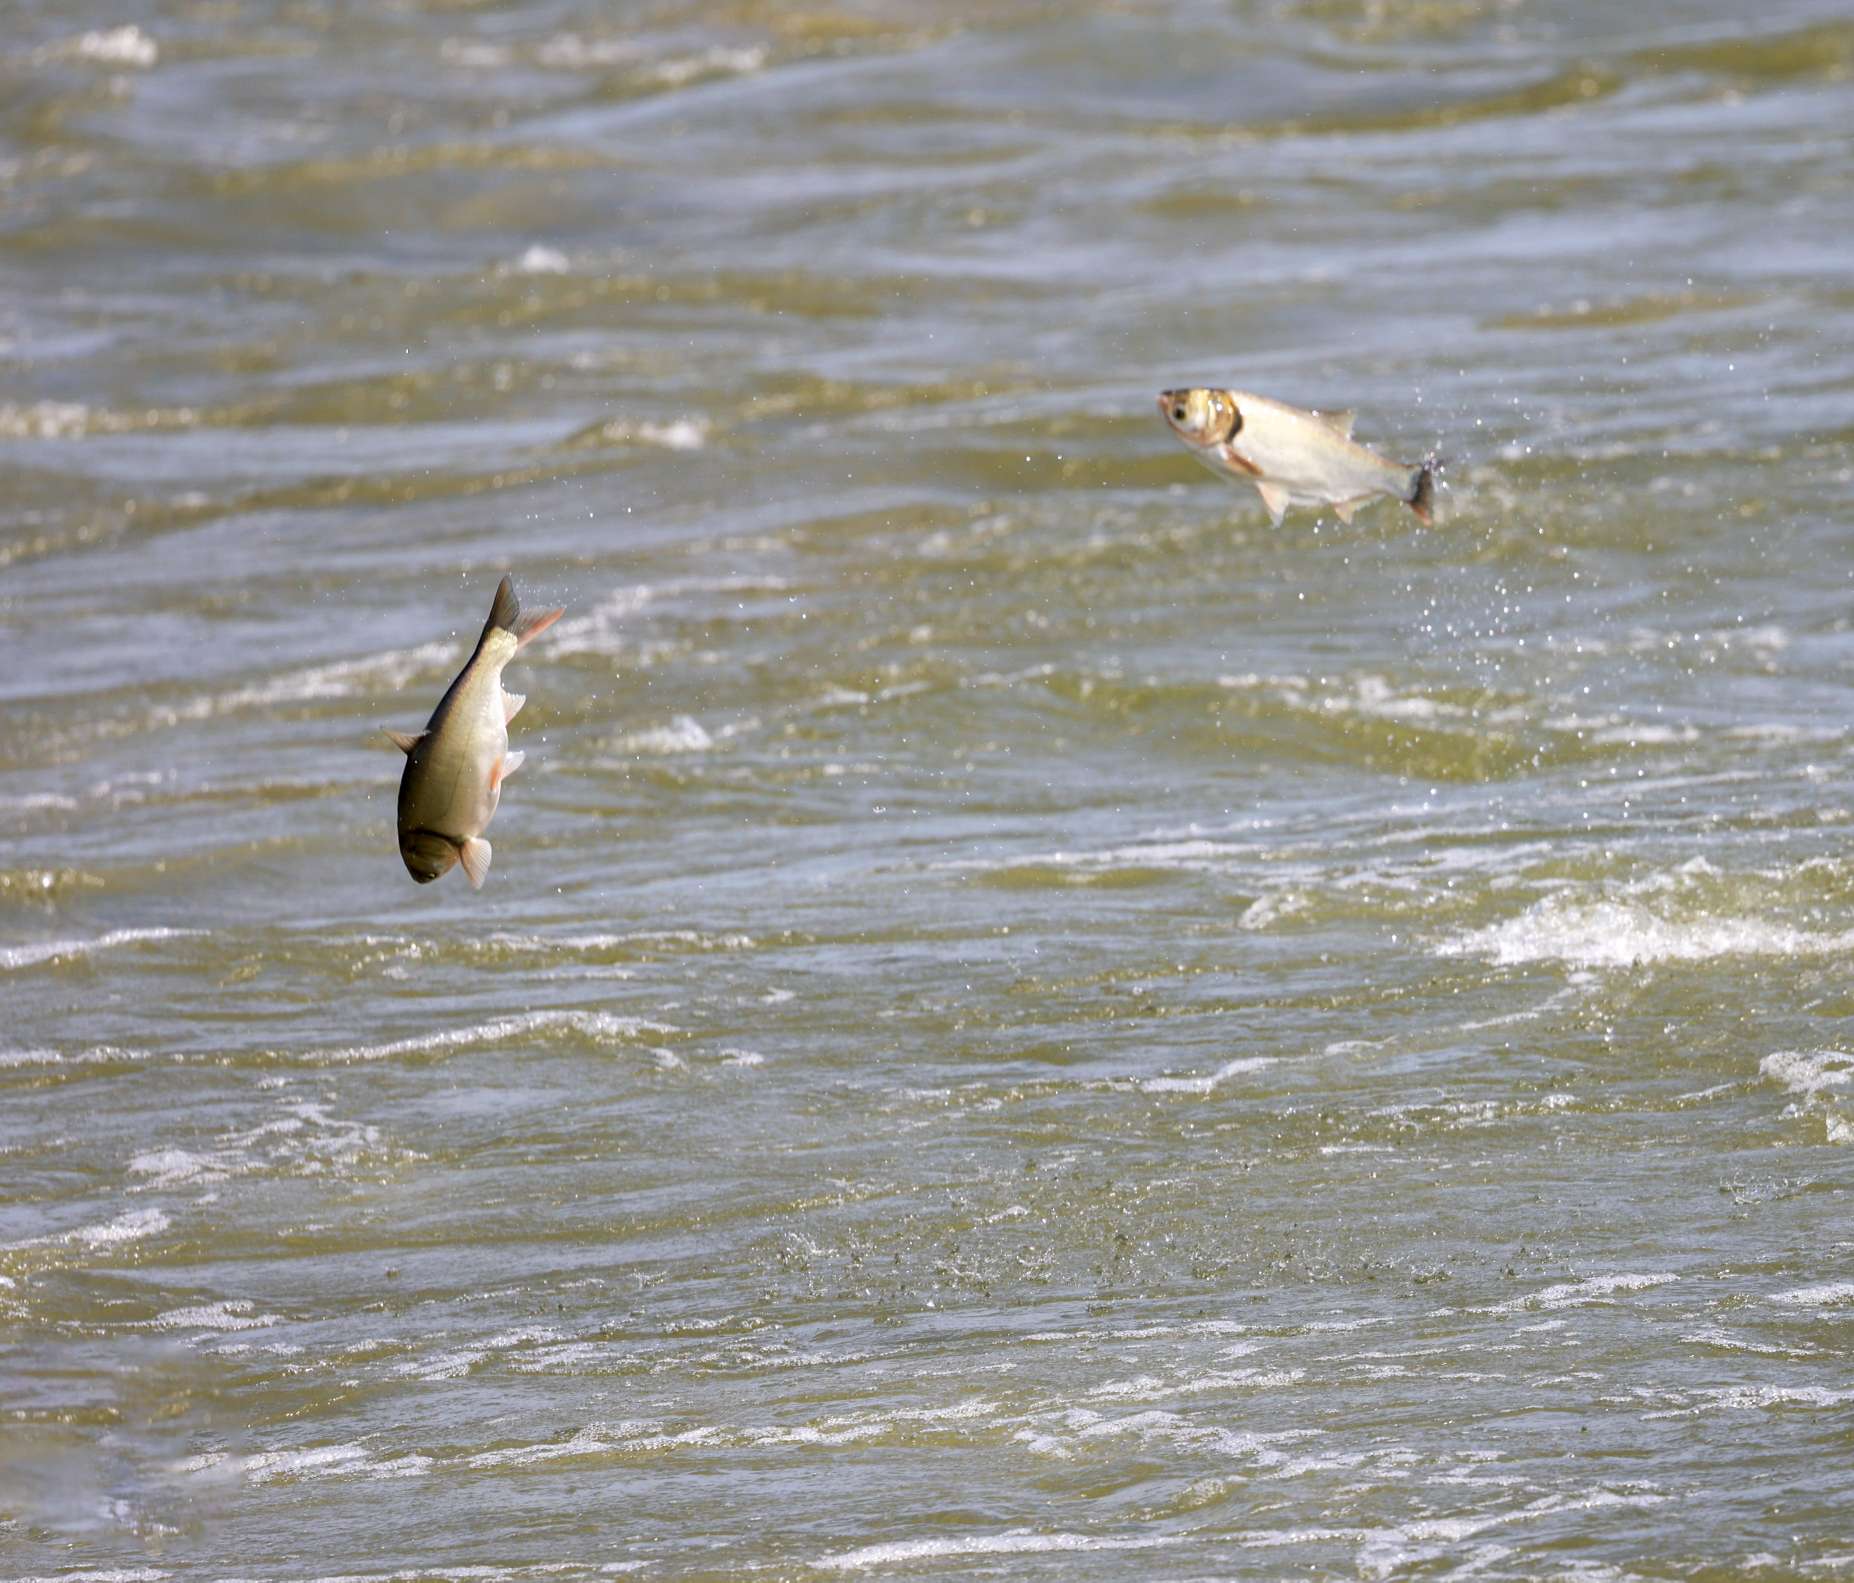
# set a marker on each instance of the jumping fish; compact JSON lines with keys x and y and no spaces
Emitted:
{"x":1294,"y":457}
{"x":455,"y":767}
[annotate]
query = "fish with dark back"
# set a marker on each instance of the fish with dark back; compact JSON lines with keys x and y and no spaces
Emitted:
{"x":455,"y":767}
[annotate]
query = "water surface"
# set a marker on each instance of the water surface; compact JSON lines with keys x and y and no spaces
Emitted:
{"x":1024,"y":1024}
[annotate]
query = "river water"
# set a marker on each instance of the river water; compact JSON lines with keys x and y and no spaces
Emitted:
{"x":1025,"y":1024}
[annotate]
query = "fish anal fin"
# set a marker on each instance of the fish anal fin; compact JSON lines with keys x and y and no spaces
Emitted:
{"x":510,"y":763}
{"x":1275,"y":498}
{"x":405,"y":741}
{"x":511,"y":704}
{"x":1339,"y":422}
{"x":1343,"y":509}
{"x":475,"y":853}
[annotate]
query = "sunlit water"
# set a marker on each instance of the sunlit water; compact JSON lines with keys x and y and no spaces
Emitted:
{"x":1024,"y":1024}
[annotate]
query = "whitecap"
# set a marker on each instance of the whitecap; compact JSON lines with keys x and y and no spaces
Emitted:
{"x":602,"y":1028}
{"x":540,"y":259}
{"x":129,"y":1227}
{"x":898,"y":1552}
{"x":1575,"y":1294}
{"x":1832,"y":1294}
{"x":173,"y":1167}
{"x":717,"y":60}
{"x":116,"y":46}
{"x":682,"y":735}
{"x":12,"y":958}
{"x":1206,"y":1085}
{"x":232,"y":1314}
{"x":1809,"y":1072}
{"x":1613,"y":934}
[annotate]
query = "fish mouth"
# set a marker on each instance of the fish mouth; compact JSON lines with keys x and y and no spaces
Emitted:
{"x":427,"y":855}
{"x":1165,"y":398}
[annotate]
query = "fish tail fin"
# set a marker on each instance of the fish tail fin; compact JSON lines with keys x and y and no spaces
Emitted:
{"x":1422,"y":496}
{"x":505,"y":616}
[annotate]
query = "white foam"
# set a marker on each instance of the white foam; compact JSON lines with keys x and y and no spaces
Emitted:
{"x":1206,"y":1085}
{"x":1719,"y":1336}
{"x":684,"y":734}
{"x":12,"y":958}
{"x":31,"y":1058}
{"x":1809,"y":1072}
{"x":602,"y":1028}
{"x":1831,"y":1295}
{"x":570,"y":52}
{"x":1616,"y":934}
{"x":130,"y":1227}
{"x":899,"y":1552}
{"x":541,"y":260}
{"x":43,"y":420}
{"x":232,"y":1314}
{"x":1269,"y":907}
{"x":1574,"y":1294}
{"x":1814,"y":1074}
{"x":172,"y":1167}
{"x":1750,"y":1396}
{"x":101,"y":1575}
{"x":678,"y":434}
{"x":455,"y":1365}
{"x":1190,"y":856}
{"x":718,"y":60}
{"x":117,"y":46}
{"x":317,"y":1462}
{"x":381,"y":674}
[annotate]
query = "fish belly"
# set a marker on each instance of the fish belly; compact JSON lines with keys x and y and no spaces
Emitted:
{"x":1316,"y":467}
{"x":456,"y":794}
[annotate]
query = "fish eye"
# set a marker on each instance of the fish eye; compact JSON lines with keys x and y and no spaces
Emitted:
{"x":1178,"y":413}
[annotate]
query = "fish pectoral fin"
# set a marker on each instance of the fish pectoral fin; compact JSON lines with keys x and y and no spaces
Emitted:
{"x":511,"y":762}
{"x":511,"y":704}
{"x":1275,"y":498}
{"x":475,"y":853}
{"x":1339,"y":422}
{"x":405,"y":741}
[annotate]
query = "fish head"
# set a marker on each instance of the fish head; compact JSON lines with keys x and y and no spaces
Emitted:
{"x":1201,"y":416}
{"x":428,"y":855}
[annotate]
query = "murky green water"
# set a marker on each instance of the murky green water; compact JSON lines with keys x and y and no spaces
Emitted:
{"x":1024,"y":1024}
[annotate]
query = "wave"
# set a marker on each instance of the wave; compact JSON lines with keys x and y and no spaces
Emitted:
{"x":899,"y":1552}
{"x":601,"y":1029}
{"x":13,"y":958}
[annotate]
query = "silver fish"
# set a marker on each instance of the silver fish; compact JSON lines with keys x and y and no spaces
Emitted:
{"x":1294,"y":457}
{"x":455,"y":767}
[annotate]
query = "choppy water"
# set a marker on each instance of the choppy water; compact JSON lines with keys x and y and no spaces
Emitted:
{"x":1024,"y":1024}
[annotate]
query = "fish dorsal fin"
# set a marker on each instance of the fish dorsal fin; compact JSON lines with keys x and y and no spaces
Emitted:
{"x":475,"y":853}
{"x":511,"y":704}
{"x":1275,"y":498}
{"x":1339,"y":422}
{"x":405,"y":741}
